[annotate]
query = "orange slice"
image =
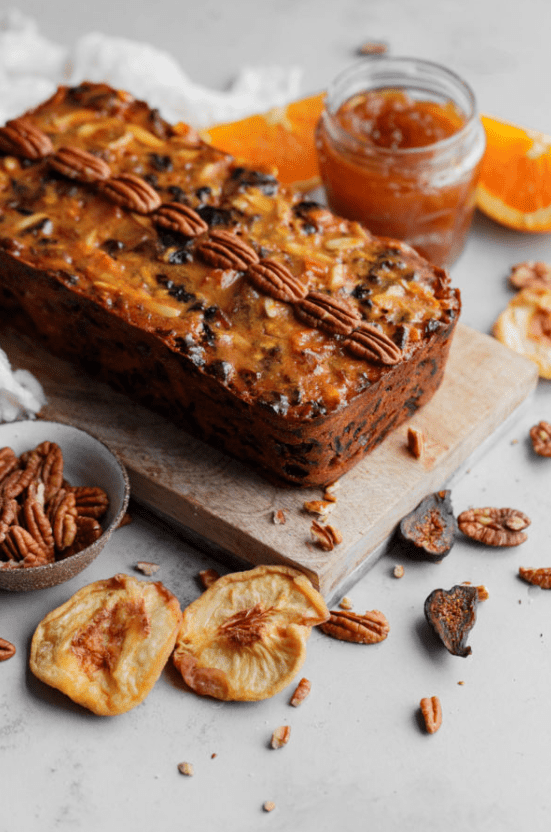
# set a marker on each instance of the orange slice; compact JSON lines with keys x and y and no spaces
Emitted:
{"x":282,"y":138}
{"x":515,"y":179}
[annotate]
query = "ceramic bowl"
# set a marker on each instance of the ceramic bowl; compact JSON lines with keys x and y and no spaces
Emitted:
{"x":87,"y":461}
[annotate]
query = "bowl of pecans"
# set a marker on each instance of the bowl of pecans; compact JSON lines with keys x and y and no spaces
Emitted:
{"x":62,"y":493}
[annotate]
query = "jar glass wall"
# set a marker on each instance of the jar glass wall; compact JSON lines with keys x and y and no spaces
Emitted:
{"x":419,"y":188}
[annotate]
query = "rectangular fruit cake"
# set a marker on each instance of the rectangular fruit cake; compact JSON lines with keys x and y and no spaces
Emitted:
{"x":286,"y":336}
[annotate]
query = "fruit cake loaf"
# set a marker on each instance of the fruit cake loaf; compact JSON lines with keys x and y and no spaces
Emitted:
{"x":288,"y":337}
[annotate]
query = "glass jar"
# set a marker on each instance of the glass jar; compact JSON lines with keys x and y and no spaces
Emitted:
{"x":421,"y":187}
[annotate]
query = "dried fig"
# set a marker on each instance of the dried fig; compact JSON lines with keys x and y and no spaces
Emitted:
{"x":429,"y":530}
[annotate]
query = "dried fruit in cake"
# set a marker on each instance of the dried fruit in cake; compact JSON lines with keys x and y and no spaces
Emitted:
{"x":107,"y":645}
{"x":245,"y":637}
{"x":525,"y":326}
{"x":515,"y":178}
{"x":429,"y":530}
{"x":452,"y":615}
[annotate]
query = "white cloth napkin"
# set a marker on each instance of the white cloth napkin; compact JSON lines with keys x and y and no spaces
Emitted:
{"x":32,"y":67}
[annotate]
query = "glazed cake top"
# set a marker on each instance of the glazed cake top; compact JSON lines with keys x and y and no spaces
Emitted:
{"x":208,"y":295}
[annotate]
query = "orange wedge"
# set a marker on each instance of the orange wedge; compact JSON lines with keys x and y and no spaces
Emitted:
{"x":282,"y":138}
{"x":515,"y":179}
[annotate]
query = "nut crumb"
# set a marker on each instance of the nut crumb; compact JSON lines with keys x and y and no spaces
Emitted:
{"x":398,"y":571}
{"x":461,"y":683}
{"x":326,"y":537}
{"x":301,"y":692}
{"x":321,"y":508}
{"x":416,"y":442}
{"x":269,"y":806}
{"x":483,"y":593}
{"x":329,"y":493}
{"x":147,"y":568}
{"x":186,"y":768}
{"x":278,"y":517}
{"x":346,"y":603}
{"x":213,"y":755}
{"x":373,"y":47}
{"x":280,"y":736}
{"x":208,"y":577}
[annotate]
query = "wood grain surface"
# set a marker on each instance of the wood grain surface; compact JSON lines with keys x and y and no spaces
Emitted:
{"x":231,"y":507}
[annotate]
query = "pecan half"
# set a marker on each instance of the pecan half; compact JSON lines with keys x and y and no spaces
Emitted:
{"x":325,"y":535}
{"x":8,"y":462}
{"x":20,"y":137}
{"x":370,"y":628}
{"x":494,"y":526}
{"x":276,"y":280}
{"x":78,"y":164}
{"x":90,"y":501}
{"x":174,"y":216}
{"x":225,"y":250}
{"x":16,"y":482}
{"x":51,"y":470}
{"x":62,"y":513}
{"x":88,"y":530}
{"x":539,"y":577}
{"x":38,"y":525}
{"x":328,"y":313}
{"x":132,"y":192}
{"x":7,"y":650}
{"x":432,"y":713}
{"x":540,"y":435}
{"x":530,"y":273}
{"x":21,"y":548}
{"x":372,"y":344}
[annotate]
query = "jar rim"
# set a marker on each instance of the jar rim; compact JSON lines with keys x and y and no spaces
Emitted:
{"x":378,"y":67}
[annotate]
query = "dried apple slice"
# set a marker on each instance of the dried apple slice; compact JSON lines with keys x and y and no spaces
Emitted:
{"x":525,"y":326}
{"x":245,"y":637}
{"x":107,"y":645}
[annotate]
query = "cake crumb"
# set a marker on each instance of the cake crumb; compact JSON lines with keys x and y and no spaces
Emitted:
{"x":398,"y":571}
{"x":186,"y":768}
{"x":269,"y":806}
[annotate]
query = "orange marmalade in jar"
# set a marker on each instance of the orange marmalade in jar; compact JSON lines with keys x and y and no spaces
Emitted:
{"x":399,"y":147}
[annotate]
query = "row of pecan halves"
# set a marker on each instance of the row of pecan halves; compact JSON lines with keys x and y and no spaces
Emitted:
{"x":42,"y":517}
{"x":221,"y":249}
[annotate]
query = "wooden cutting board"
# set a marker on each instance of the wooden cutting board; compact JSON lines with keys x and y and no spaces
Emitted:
{"x":223,"y":502}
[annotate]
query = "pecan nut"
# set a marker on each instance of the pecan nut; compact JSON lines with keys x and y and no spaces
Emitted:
{"x":20,"y":137}
{"x":494,"y":526}
{"x":88,"y":530}
{"x":302,"y":690}
{"x":7,"y":650}
{"x":225,"y":250}
{"x":325,"y":535}
{"x":15,"y":483}
{"x":90,"y":501}
{"x":38,"y":525}
{"x":276,"y":280}
{"x":530,"y":273}
{"x":432,"y":713}
{"x":372,"y":344}
{"x":62,"y":514}
{"x":540,"y":435}
{"x":79,"y":164}
{"x":22,"y":549}
{"x":132,"y":192}
{"x":328,"y":313}
{"x":174,"y":216}
{"x":51,"y":469}
{"x":8,"y":462}
{"x":539,"y":577}
{"x":370,"y":628}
